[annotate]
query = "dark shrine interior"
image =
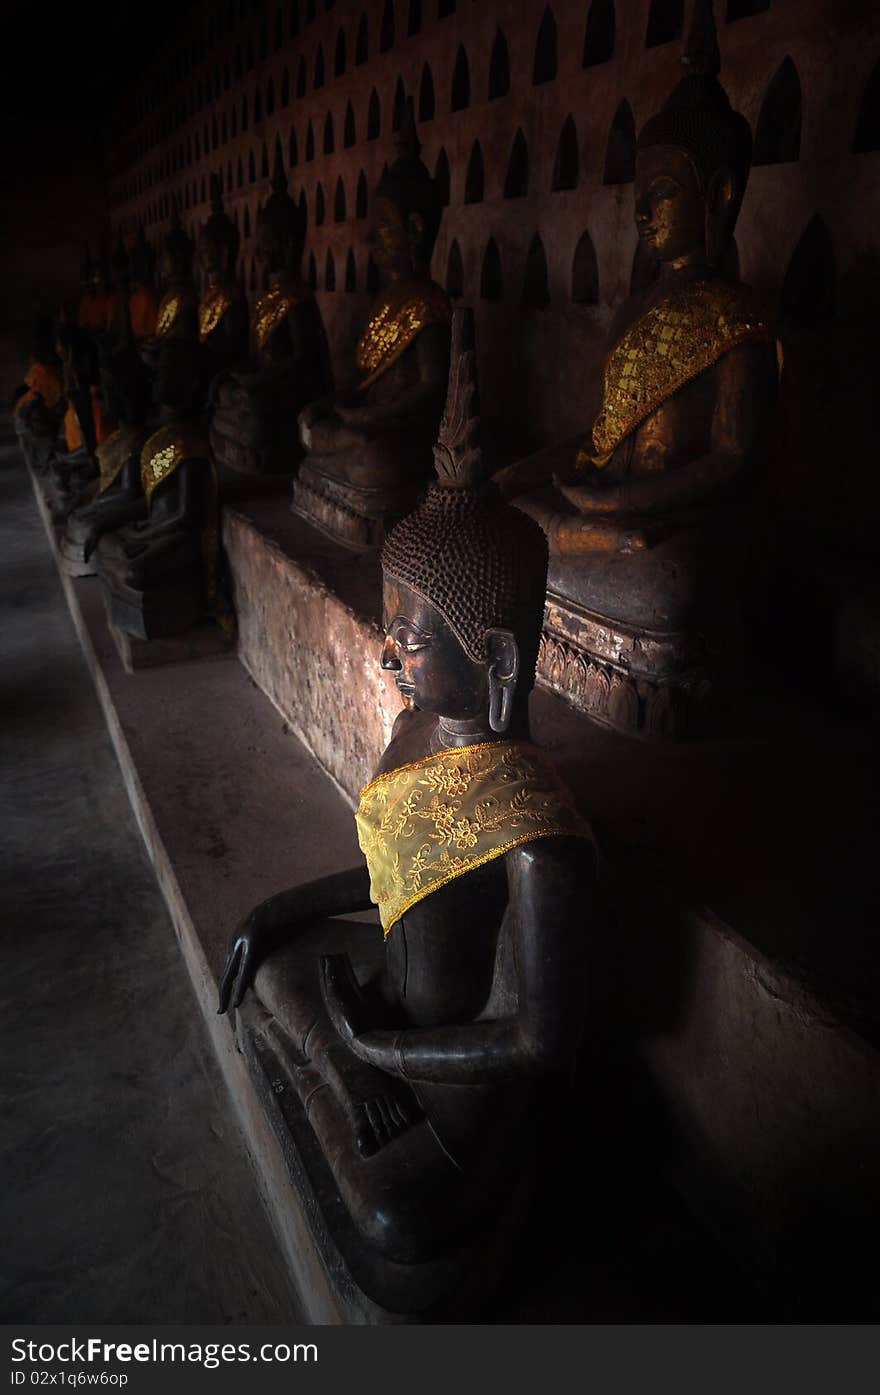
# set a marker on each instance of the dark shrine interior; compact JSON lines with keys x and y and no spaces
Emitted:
{"x":559,"y":323}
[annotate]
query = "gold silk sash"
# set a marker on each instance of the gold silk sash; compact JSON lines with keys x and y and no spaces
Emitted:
{"x":171,"y":307}
{"x":424,"y":824}
{"x":212,"y":307}
{"x":394,"y":327}
{"x":114,"y":453}
{"x":166,"y":449}
{"x":270,"y":312}
{"x":681,"y":336}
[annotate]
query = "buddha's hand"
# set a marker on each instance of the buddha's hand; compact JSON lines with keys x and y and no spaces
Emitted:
{"x":591,"y":496}
{"x":344,"y":997}
{"x":248,"y":947}
{"x":354,"y":416}
{"x":91,"y":542}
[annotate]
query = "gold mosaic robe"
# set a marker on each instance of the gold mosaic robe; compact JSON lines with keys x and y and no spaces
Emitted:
{"x":396,"y":324}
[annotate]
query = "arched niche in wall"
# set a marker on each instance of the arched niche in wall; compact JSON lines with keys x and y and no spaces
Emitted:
{"x":239,"y":174}
{"x":252,"y":168}
{"x":599,"y":35}
{"x":566,"y":166}
{"x":499,"y":68}
{"x":809,"y":289}
{"x":319,"y":205}
{"x":258,"y":112}
{"x":743,"y":9}
{"x":238,"y":66}
{"x":360,"y":199}
{"x":292,"y":149}
{"x":426,"y":95}
{"x":398,"y":106}
{"x":414,"y":18}
{"x":285,"y":89}
{"x":454,"y":271}
{"x":585,"y":273}
{"x":340,"y":55}
{"x":362,"y":42}
{"x":339,"y":209}
{"x":620,"y":152}
{"x":329,"y":136}
{"x":270,"y":98}
{"x":350,"y":271}
{"x":348,"y":130}
{"x":253,"y":282}
{"x":293,"y":24}
{"x":312,"y":273}
{"x":445,"y":8}
{"x":474,"y":176}
{"x":214,"y":136}
{"x":310,"y":142}
{"x":264,"y":41}
{"x":319,"y":68}
{"x":247,"y":221}
{"x":490,"y":274}
{"x":536,"y":290}
{"x":386,"y":28}
{"x":778,"y":132}
{"x":516,"y":180}
{"x":441,"y":178}
{"x":301,"y":78}
{"x":546,"y":44}
{"x":279,"y":28}
{"x":233,"y":121}
{"x":372,"y":279}
{"x":303,"y":206}
{"x":460,"y":97}
{"x":264,"y":162}
{"x":373,"y":116}
{"x":665,"y":22}
{"x":329,"y":271}
{"x":867,"y":136}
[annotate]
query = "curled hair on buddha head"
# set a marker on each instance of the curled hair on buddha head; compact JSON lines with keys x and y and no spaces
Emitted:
{"x":698,"y":119}
{"x":481,"y":563}
{"x":219,"y":230}
{"x":178,"y":246}
{"x":409,"y":186}
{"x":283,"y":219}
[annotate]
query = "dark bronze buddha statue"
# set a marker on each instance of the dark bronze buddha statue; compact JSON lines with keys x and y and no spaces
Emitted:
{"x":178,"y":313}
{"x":115,"y":497}
{"x":647,"y":522}
{"x":38,"y":403}
{"x":421,"y":1062}
{"x":369,"y":458}
{"x":223,"y":315}
{"x":161,"y":572}
{"x":255,"y":409}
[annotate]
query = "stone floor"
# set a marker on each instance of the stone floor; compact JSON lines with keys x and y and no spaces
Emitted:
{"x":127,"y":1193}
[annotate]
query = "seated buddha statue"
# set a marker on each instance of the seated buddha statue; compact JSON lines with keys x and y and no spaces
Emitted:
{"x":160,"y":573}
{"x":223,"y":317}
{"x":143,"y":303}
{"x":422,"y":1057}
{"x":115,"y":497}
{"x":254,"y":409}
{"x":369,"y":456}
{"x":177,"y":317}
{"x":647,"y":520}
{"x":38,"y":403}
{"x":70,"y":468}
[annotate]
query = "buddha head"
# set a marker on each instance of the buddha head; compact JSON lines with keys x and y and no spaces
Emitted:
{"x":218,"y":240}
{"x":177,"y":252}
{"x":121,"y":264}
{"x":178,"y":387}
{"x":281,"y":227}
{"x":143,"y":260}
{"x":693,"y":159}
{"x":464,"y":578}
{"x":406,"y":208}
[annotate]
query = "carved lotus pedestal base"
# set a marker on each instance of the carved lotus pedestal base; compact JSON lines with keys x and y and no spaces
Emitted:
{"x":357,"y":518}
{"x":254,"y":447}
{"x":641,"y":682}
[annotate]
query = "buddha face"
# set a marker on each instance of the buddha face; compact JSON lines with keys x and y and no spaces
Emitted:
{"x":388,"y":236}
{"x":670,"y":209}
{"x":431,"y":670}
{"x":212,"y":255}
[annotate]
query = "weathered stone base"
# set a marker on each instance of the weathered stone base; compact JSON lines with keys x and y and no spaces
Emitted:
{"x":331,"y":516}
{"x":237,"y":451}
{"x":637,"y":682}
{"x":159,"y":613}
{"x":205,"y":641}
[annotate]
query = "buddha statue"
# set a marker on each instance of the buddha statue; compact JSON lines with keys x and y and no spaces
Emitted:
{"x":255,"y":409}
{"x":160,"y":573}
{"x":69,"y":470}
{"x":369,"y":458}
{"x":177,"y":316}
{"x":421,"y":1059}
{"x":121,"y":265}
{"x":647,"y":521}
{"x":115,"y":497}
{"x":223,"y":318}
{"x":38,"y":403}
{"x":143,"y":304}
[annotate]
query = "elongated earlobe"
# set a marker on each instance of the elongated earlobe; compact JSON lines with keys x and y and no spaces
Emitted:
{"x":503,"y":655}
